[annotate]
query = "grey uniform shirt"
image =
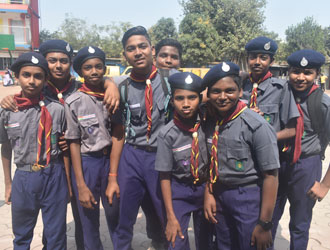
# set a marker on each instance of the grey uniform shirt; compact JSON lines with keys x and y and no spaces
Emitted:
{"x":53,"y":96}
{"x":136,"y":102}
{"x":88,"y":120}
{"x":246,"y":147}
{"x":310,"y":142}
{"x":275,"y":100}
{"x":174,"y":151}
{"x":21,"y":129}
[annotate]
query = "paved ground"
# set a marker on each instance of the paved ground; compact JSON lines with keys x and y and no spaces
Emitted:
{"x":319,"y":232}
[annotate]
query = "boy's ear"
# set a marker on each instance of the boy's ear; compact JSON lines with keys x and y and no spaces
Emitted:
{"x":124,"y":55}
{"x":241,"y":93}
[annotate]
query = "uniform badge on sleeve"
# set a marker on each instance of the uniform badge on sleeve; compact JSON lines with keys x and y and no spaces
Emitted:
{"x":239,"y":166}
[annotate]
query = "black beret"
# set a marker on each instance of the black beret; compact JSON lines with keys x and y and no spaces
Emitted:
{"x":261,"y":44}
{"x":185,"y":80}
{"x":56,"y":46}
{"x":138,"y":30}
{"x":86,"y":53}
{"x":306,"y":58}
{"x":30,"y":59}
{"x":220,"y":71}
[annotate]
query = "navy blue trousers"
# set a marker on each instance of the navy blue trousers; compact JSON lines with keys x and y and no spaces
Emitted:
{"x":136,"y":177}
{"x":187,"y":200}
{"x":294,"y":183}
{"x":45,"y":190}
{"x":96,"y":171}
{"x":237,"y":215}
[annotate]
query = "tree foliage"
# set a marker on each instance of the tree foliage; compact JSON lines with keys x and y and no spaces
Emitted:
{"x":305,"y":35}
{"x":164,"y":28}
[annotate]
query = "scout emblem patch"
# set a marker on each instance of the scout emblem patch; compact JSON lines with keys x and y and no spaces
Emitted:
{"x":267,"y":118}
{"x":90,"y":130}
{"x":53,"y":139}
{"x":267,"y":46}
{"x":239,"y":166}
{"x":303,"y":135}
{"x":225,"y":67}
{"x":34,"y":60}
{"x":91,"y":50}
{"x":188,"y":80}
{"x":303,"y":62}
{"x":68,"y":48}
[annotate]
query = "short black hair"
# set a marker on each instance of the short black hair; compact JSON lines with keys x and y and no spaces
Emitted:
{"x":169,"y":42}
{"x":236,"y":79}
{"x":138,"y":30}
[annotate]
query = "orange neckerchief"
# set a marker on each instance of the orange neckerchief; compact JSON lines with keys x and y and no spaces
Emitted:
{"x":300,"y":127}
{"x":147,"y":93}
{"x":45,"y":123}
{"x":58,"y":92}
{"x":254,"y":93}
{"x":240,"y":107}
{"x":194,"y":156}
{"x":91,"y":90}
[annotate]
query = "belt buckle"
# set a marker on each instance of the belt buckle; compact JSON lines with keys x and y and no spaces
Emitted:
{"x":105,"y":151}
{"x":36,"y":167}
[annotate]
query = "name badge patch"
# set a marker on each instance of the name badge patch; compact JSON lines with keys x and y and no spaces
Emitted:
{"x":13,"y":125}
{"x":86,"y":117}
{"x":181,"y":148}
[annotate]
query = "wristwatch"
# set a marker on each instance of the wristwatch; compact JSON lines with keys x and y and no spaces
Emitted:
{"x":266,"y":225}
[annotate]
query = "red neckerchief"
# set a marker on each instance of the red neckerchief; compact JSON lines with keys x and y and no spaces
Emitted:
{"x":147,"y":93}
{"x":91,"y":90}
{"x":254,"y":94}
{"x":300,"y":128}
{"x":45,"y":123}
{"x":59,"y":93}
{"x":240,"y":107}
{"x":194,"y":156}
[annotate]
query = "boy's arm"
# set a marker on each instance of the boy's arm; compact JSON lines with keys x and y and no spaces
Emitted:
{"x":210,"y":207}
{"x":86,"y":197}
{"x":8,"y":103}
{"x":111,"y":95}
{"x":288,"y":132}
{"x":173,"y":226}
{"x":66,"y":159}
{"x":260,"y":237}
{"x":320,"y":190}
{"x":118,"y":140}
{"x":6,"y":153}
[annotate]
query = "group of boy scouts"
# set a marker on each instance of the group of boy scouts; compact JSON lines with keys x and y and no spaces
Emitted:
{"x":149,"y":140}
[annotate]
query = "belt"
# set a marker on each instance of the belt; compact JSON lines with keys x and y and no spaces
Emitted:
{"x":145,"y":148}
{"x":226,"y":187}
{"x":103,"y":152}
{"x":32,"y":168}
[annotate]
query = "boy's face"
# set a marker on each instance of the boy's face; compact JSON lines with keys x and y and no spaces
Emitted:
{"x":185,"y":102}
{"x":224,"y":95}
{"x":259,"y":64}
{"x":168,"y":58}
{"x":59,"y":65}
{"x":138,"y":52}
{"x":301,"y":79}
{"x":93,"y":70}
{"x":31,"y":79}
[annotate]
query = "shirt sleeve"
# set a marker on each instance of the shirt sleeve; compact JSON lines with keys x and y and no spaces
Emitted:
{"x":72,"y":126}
{"x":265,"y":147}
{"x":3,"y":132}
{"x":326,"y":113}
{"x":164,"y":156}
{"x":288,"y":107}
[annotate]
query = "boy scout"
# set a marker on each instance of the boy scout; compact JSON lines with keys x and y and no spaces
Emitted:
{"x":33,"y":132}
{"x":266,"y":94}
{"x":243,"y":165}
{"x":301,"y":176}
{"x":182,"y":161}
{"x":91,"y":135}
{"x":168,"y":54}
{"x":145,"y":100}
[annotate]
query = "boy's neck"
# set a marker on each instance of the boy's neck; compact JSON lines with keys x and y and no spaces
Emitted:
{"x":144,"y":71}
{"x":60,"y":83}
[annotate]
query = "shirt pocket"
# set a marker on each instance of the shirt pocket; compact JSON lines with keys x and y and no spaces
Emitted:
{"x":237,"y":158}
{"x":90,"y":129}
{"x":54,"y":139}
{"x":15,"y":138}
{"x":182,"y":161}
{"x":270,"y":112}
{"x":136,"y":113}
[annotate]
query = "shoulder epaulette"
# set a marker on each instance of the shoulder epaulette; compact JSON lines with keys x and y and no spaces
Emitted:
{"x":278,"y":81}
{"x":252,"y":119}
{"x":75,"y":96}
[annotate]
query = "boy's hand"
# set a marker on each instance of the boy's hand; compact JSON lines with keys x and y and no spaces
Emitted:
{"x":260,"y":238}
{"x":318,"y":191}
{"x":112,"y":189}
{"x":210,"y":207}
{"x":8,"y":194}
{"x":172,"y":230}
{"x":86,"y":197}
{"x":8,"y":103}
{"x":257,"y":110}
{"x":111,"y":96}
{"x":62,"y":144}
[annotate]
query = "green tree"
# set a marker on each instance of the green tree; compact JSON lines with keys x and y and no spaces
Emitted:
{"x":164,"y":28}
{"x":235,"y":22}
{"x":305,"y":35}
{"x":45,"y":35}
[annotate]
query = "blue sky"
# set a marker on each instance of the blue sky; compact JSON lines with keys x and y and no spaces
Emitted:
{"x":280,"y":14}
